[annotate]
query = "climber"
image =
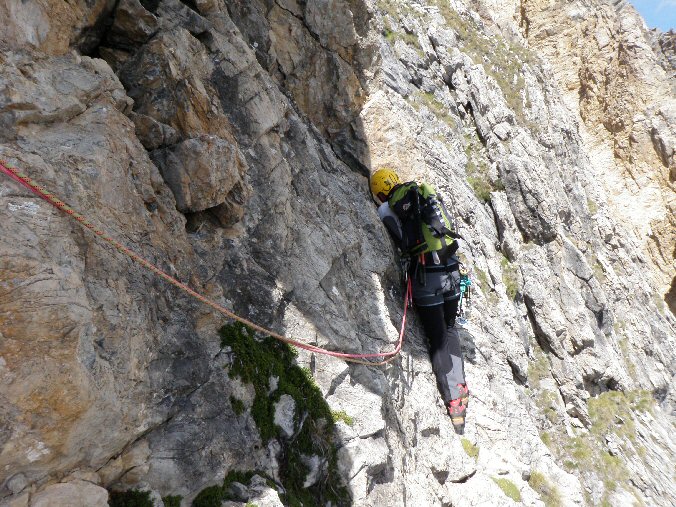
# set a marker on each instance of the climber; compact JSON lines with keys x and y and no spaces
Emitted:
{"x":420,"y":226}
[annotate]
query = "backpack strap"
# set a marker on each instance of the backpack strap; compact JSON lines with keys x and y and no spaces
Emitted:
{"x":426,"y":225}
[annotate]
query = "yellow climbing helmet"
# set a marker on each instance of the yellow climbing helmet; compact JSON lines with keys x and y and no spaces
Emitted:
{"x":383,"y":181}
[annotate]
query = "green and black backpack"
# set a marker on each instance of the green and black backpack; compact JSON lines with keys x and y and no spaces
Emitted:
{"x":425,"y":223}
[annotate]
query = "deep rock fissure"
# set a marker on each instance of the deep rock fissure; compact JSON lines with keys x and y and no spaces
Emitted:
{"x":464,"y":478}
{"x":91,"y":38}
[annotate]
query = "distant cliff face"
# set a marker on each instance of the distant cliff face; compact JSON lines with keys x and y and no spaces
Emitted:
{"x":664,"y":45}
{"x":230,"y":143}
{"x":610,"y":75}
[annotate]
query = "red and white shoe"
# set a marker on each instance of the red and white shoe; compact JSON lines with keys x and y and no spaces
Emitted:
{"x":457,"y":411}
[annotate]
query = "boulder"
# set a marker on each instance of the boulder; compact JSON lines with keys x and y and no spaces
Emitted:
{"x":202,"y":172}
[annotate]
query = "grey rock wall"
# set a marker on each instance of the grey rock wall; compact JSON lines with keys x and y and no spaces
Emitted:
{"x":229,"y":143}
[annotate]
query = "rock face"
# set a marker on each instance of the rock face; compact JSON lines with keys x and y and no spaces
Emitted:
{"x":610,"y":75}
{"x":52,"y":26}
{"x":665,"y":46}
{"x":229,"y":143}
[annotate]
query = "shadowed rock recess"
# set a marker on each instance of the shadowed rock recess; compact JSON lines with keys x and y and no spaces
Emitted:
{"x":229,"y":143}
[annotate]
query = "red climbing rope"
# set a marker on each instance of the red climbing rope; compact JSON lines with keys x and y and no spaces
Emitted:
{"x":24,"y":180}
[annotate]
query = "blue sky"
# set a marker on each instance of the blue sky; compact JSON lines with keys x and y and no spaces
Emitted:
{"x":657,"y":13}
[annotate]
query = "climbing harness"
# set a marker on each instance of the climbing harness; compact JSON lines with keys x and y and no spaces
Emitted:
{"x":366,"y":359}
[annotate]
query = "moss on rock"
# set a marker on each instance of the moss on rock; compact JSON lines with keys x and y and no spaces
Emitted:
{"x":341,"y":415}
{"x":611,"y":413}
{"x":237,"y":405}
{"x":548,"y":492}
{"x":539,"y":369}
{"x":132,"y":498}
{"x":508,"y":488}
{"x":172,"y":500}
{"x":510,"y":277}
{"x":256,"y":362}
{"x":471,"y":449}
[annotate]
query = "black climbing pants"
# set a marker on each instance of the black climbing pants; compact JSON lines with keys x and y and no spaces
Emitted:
{"x":443,"y":343}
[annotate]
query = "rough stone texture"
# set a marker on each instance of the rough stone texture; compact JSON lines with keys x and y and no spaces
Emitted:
{"x":132,"y":25}
{"x":202,"y":171}
{"x":54,"y":26}
{"x":321,"y":54}
{"x":258,"y":120}
{"x":257,"y":493}
{"x":610,"y":76}
{"x":152,"y":133}
{"x":71,"y":494}
{"x":285,"y":411}
{"x":665,"y":46}
{"x":97,"y":362}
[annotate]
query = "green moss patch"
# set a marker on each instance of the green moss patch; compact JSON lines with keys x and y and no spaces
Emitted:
{"x":435,"y":106}
{"x":623,"y":342}
{"x":481,"y":187}
{"x":477,"y":177}
{"x":510,"y":278}
{"x":393,"y":12}
{"x":546,"y":402}
{"x":585,"y":454}
{"x":478,"y":171}
{"x":471,"y":449}
{"x":172,"y":501}
{"x":341,"y":415}
{"x":548,"y":492}
{"x":237,"y":405}
{"x":502,"y":60}
{"x":255,"y":362}
{"x":538,"y":370}
{"x":580,"y":449}
{"x":598,"y":270}
{"x":407,"y":38}
{"x":390,"y":8}
{"x":611,"y":412}
{"x":214,"y":496}
{"x":508,"y":488}
{"x":546,"y":438}
{"x":132,"y":498}
{"x":483,"y":280}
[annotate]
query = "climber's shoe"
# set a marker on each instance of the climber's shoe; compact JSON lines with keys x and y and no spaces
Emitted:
{"x":464,"y":394}
{"x":457,"y":412}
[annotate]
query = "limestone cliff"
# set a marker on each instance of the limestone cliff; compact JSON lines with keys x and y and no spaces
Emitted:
{"x":229,"y":143}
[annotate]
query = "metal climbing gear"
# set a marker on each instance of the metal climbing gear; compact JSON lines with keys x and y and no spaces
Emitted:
{"x":465,"y":294}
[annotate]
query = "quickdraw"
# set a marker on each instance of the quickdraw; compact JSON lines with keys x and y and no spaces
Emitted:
{"x":386,"y":357}
{"x":465,"y":292}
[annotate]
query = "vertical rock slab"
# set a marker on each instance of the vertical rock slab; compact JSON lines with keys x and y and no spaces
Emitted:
{"x":95,"y":360}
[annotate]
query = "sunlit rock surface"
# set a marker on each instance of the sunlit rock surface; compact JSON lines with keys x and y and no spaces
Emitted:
{"x":229,"y":143}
